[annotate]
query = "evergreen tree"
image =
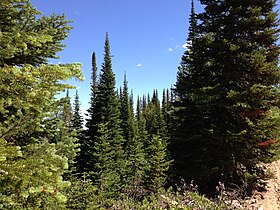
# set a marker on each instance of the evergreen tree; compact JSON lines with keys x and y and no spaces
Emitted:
{"x":77,"y":119}
{"x":137,"y":165}
{"x":154,"y":137}
{"x":94,"y":76}
{"x":31,"y":165}
{"x":18,"y":46}
{"x":127,"y":117}
{"x":225,"y":97}
{"x":154,"y":118}
{"x":104,"y":131}
{"x":158,"y":163}
{"x":138,"y":109}
{"x":67,"y":112}
{"x":88,"y":143}
{"x":77,"y":126}
{"x":67,"y":141}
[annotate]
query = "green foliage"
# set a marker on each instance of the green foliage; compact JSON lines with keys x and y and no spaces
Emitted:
{"x":127,"y":117}
{"x":32,"y":161}
{"x":77,"y":127}
{"x":81,"y":194}
{"x":137,"y":167}
{"x":158,"y":163}
{"x":32,"y":167}
{"x":77,"y":119}
{"x":26,"y":37}
{"x":104,"y":135}
{"x":153,"y":139}
{"x":31,"y":175}
{"x":170,"y":200}
{"x":226,"y":89}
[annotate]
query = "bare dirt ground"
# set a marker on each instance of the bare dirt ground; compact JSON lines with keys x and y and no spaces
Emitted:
{"x":269,"y":199}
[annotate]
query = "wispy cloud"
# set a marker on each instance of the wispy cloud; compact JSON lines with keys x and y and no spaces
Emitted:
{"x":139,"y":65}
{"x":171,"y":49}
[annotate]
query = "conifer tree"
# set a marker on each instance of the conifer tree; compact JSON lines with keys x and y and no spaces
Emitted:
{"x":144,"y":102}
{"x":31,"y":165}
{"x":67,"y":141}
{"x":77,"y":126}
{"x":104,"y":131}
{"x":88,"y":143}
{"x":67,"y":111}
{"x":138,"y":109}
{"x":227,"y":95}
{"x":77,"y":119}
{"x":126,"y":113}
{"x":158,"y":163}
{"x":155,"y":139}
{"x":154,"y":117}
{"x":17,"y":42}
{"x":137,"y":164}
{"x":94,"y":75}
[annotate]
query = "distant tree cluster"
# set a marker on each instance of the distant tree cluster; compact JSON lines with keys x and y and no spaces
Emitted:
{"x":122,"y":151}
{"x":218,"y":123}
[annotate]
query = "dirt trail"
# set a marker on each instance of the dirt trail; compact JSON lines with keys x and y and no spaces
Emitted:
{"x":270,"y":199}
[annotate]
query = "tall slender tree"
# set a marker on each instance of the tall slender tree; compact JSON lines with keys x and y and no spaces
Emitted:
{"x":67,"y":111}
{"x":127,"y":116}
{"x":77,"y":119}
{"x":94,"y":74}
{"x":104,"y":132}
{"x":88,"y":143}
{"x":77,"y":127}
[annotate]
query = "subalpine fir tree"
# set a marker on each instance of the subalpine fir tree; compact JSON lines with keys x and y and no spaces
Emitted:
{"x":68,"y":142}
{"x":87,"y":142}
{"x":127,"y":115}
{"x":185,"y":60}
{"x":165,"y":110}
{"x":154,"y":118}
{"x":138,"y":108}
{"x":77,"y":127}
{"x":158,"y":162}
{"x":94,"y":75}
{"x":228,"y":95}
{"x":137,"y":164}
{"x":77,"y":119}
{"x":104,"y":131}
{"x":155,"y":139}
{"x":67,"y":111}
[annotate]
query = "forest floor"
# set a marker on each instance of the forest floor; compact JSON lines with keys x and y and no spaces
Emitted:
{"x":270,"y":198}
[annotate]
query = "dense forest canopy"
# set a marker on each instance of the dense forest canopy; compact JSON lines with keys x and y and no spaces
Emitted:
{"x":215,"y":126}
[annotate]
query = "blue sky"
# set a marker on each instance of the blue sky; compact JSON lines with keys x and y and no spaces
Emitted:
{"x":146,"y":38}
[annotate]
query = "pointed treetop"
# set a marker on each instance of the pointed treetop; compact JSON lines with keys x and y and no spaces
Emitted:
{"x":125,"y":81}
{"x":107,"y":64}
{"x":107,"y":43}
{"x":94,"y":70}
{"x":192,"y":23}
{"x":67,"y":93}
